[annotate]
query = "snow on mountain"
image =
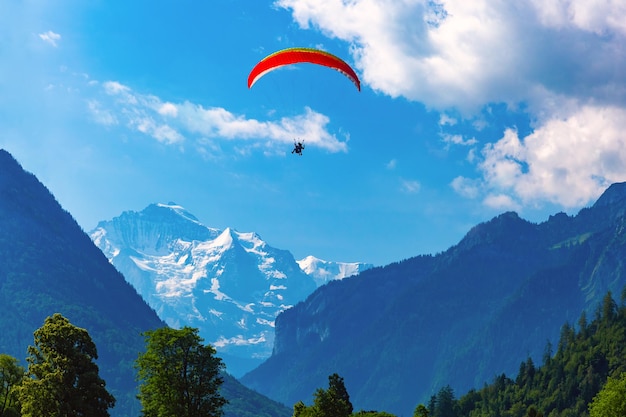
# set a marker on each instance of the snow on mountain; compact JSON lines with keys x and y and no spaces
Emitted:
{"x":324,"y":271}
{"x":228,"y":284}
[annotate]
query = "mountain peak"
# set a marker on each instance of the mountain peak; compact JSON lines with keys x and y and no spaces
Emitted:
{"x":153,"y":229}
{"x":172,"y":208}
{"x":324,"y":271}
{"x":505,"y":228}
{"x":225,"y":239}
{"x":229,"y":284}
{"x":616,"y":193}
{"x":6,"y":158}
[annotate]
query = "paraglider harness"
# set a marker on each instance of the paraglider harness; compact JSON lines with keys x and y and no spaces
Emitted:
{"x":298,"y":147}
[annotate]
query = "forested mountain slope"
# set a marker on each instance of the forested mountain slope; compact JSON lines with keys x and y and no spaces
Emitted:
{"x":566,"y":381}
{"x":49,"y":265}
{"x":398,"y":334}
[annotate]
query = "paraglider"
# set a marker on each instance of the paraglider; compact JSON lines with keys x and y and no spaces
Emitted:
{"x":298,"y":147}
{"x":299,"y":55}
{"x":291,"y":56}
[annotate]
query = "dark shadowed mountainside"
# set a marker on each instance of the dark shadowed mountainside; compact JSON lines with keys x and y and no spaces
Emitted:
{"x":398,"y":334}
{"x":49,"y":265}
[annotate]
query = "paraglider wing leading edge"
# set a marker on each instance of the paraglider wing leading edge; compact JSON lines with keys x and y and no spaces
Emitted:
{"x":300,"y":55}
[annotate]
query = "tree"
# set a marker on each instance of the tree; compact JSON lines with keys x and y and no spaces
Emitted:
{"x":611,"y":400}
{"x":609,"y":308}
{"x":445,"y":405}
{"x":300,"y":409}
{"x":180,"y":377}
{"x":11,"y":374}
{"x":420,"y":411}
{"x":432,"y":405}
{"x":335,"y":401}
{"x":62,"y":379}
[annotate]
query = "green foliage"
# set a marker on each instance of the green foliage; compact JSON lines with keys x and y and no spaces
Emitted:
{"x":567,"y":382}
{"x":333,"y":402}
{"x":420,"y":411}
{"x":611,"y":400}
{"x":532,"y":412}
{"x":11,"y":374}
{"x":441,"y":405}
{"x":179,"y":376}
{"x":62,"y":378}
{"x":300,"y":409}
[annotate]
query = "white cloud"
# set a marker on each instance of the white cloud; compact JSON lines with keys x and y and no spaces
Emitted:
{"x":562,"y":60}
{"x":160,"y":131}
{"x":457,"y":140}
{"x":599,"y":16}
{"x":469,"y":188}
{"x":471,"y":155}
{"x":101,"y":116}
{"x":50,"y":37}
{"x":500,"y":202}
{"x":219,"y":122}
{"x":392,"y":164}
{"x":462,"y":54}
{"x":168,"y":109}
{"x":410,"y":186}
{"x":568,"y":161}
{"x":444,"y":119}
{"x":113,"y":87}
{"x":167,"y":121}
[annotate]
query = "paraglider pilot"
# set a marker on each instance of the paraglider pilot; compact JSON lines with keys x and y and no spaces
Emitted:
{"x":298,"y":147}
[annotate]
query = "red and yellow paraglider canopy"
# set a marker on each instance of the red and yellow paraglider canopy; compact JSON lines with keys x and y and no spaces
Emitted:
{"x":300,"y":55}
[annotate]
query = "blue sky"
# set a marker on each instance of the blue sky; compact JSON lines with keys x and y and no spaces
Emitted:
{"x":467,"y":109}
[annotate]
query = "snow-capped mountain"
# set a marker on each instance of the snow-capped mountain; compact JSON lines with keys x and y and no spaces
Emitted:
{"x":230,"y":285}
{"x":324,"y":271}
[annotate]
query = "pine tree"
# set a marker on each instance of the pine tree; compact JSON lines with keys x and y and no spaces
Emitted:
{"x":446,"y":403}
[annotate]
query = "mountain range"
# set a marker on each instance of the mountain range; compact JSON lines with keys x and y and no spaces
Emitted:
{"x":48,"y":265}
{"x":230,"y":285}
{"x":400,"y":333}
{"x":397,"y":334}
